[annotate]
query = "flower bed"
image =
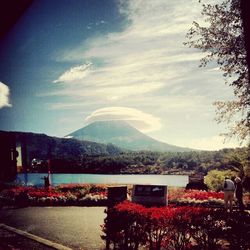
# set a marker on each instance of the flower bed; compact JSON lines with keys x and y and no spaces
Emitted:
{"x":84,"y":195}
{"x":94,"y":195}
{"x":195,"y":197}
{"x":132,"y":226}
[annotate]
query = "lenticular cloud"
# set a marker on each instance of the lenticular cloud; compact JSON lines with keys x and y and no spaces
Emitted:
{"x":137,"y":118}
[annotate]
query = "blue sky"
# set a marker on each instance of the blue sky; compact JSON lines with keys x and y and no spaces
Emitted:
{"x":67,"y":63}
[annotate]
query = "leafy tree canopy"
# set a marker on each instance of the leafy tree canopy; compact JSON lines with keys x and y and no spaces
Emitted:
{"x":222,"y":39}
{"x":215,"y":178}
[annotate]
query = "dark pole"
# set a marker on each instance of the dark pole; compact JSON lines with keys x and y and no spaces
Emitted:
{"x":245,"y":10}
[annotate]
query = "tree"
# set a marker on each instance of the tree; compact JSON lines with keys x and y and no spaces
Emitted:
{"x":239,"y":161}
{"x":215,"y":178}
{"x":223,"y":41}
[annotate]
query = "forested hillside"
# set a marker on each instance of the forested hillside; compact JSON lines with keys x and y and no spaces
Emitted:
{"x":74,"y":156}
{"x":167,"y":163}
{"x":65,"y":154}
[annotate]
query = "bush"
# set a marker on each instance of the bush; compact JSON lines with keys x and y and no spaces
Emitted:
{"x":215,"y":179}
{"x":132,"y":226}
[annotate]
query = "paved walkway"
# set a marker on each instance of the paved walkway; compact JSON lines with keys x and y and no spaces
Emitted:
{"x":74,"y":227}
{"x":10,"y":240}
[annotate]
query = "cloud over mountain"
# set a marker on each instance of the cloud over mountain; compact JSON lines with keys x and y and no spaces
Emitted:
{"x":145,"y":66}
{"x":121,"y":134}
{"x":143,"y":121}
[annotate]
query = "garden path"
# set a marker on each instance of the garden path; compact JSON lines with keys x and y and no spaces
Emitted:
{"x":75,"y":227}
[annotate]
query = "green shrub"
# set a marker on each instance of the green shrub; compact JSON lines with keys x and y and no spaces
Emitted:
{"x":215,"y":178}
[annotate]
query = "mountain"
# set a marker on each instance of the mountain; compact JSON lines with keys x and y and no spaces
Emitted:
{"x":122,"y":134}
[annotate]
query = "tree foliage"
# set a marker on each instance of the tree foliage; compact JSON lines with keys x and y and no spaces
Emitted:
{"x":222,"y":39}
{"x":133,"y":226}
{"x":147,"y":162}
{"x":215,"y":179}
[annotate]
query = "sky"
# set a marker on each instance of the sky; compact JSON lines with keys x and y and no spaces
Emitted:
{"x":66,"y":64}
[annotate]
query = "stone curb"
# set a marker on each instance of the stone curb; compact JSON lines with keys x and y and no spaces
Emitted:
{"x":35,"y":238}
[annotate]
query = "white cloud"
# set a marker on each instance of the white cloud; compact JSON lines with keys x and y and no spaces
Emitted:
{"x":75,"y":73}
{"x":143,"y":121}
{"x":4,"y":95}
{"x":146,"y":56}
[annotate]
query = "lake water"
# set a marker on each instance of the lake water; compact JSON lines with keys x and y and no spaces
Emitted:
{"x":56,"y":179}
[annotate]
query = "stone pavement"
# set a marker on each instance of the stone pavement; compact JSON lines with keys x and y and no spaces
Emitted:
{"x":74,"y":227}
{"x":12,"y":241}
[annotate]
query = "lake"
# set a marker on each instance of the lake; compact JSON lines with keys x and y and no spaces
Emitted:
{"x":35,"y":179}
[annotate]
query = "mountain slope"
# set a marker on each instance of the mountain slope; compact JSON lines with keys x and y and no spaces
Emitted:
{"x":44,"y":147}
{"x":123,"y":135}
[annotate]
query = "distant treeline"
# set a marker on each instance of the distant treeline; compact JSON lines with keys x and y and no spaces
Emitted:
{"x":146,"y":162}
{"x":74,"y":156}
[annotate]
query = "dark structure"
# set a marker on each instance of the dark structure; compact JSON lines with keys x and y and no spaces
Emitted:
{"x":116,"y":195}
{"x":8,"y":155}
{"x":196,"y":181}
